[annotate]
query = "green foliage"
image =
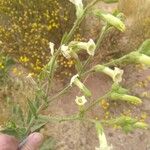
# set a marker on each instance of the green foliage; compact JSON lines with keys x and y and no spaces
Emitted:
{"x":11,"y":128}
{"x":33,"y":120}
{"x":5,"y":64}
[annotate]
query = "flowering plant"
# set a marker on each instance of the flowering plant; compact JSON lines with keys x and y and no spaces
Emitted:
{"x":35,"y":120}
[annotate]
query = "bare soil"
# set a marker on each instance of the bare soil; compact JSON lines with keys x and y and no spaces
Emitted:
{"x":78,"y":135}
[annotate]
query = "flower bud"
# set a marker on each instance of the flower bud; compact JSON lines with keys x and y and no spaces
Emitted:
{"x":79,"y":7}
{"x":124,"y":97}
{"x":112,"y":20}
{"x":82,"y":87}
{"x":137,"y":57}
{"x":141,"y":125}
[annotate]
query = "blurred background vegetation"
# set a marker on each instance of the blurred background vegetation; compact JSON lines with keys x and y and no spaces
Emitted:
{"x":26,"y":28}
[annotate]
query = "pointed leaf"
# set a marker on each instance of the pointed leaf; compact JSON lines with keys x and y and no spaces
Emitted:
{"x":32,"y":108}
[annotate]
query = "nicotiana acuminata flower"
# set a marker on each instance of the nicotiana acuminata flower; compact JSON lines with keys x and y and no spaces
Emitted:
{"x":80,"y":100}
{"x":74,"y":47}
{"x":102,"y":138}
{"x":125,"y":97}
{"x":65,"y":51}
{"x":79,"y":7}
{"x":115,"y":74}
{"x":110,"y":19}
{"x":51,"y":46}
{"x":82,"y":87}
{"x":88,"y":46}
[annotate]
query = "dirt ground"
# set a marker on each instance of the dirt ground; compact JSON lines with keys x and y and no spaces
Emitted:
{"x":82,"y":135}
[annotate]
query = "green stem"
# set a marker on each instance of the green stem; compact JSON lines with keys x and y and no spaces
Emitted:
{"x":78,"y":22}
{"x":95,"y":102}
{"x":59,"y":94}
{"x":69,"y":36}
{"x":43,"y":106}
{"x":99,"y":41}
{"x":101,"y":36}
{"x":60,"y":119}
{"x":116,"y":61}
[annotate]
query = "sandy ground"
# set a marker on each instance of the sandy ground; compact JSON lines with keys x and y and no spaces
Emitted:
{"x":82,"y":135}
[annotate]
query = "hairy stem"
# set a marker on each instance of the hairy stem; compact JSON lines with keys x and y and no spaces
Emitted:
{"x":78,"y":21}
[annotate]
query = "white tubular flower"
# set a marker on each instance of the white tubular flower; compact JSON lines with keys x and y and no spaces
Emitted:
{"x":103,"y":142}
{"x":112,"y":20}
{"x":88,"y":46}
{"x":82,"y":87}
{"x":115,"y":74}
{"x":79,"y":7}
{"x":80,"y":100}
{"x":102,"y":139}
{"x":65,"y":51}
{"x":51,"y":46}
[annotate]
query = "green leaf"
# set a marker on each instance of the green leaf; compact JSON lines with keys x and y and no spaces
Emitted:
{"x":145,"y":47}
{"x":32,"y":108}
{"x":29,"y":117}
{"x":37,"y":127}
{"x":49,"y":69}
{"x":18,"y":112}
{"x":110,"y":19}
{"x":12,"y":129}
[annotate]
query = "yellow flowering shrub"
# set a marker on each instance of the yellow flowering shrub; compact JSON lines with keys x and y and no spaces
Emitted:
{"x":26,"y":28}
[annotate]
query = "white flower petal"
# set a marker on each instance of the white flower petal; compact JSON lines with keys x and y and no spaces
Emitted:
{"x":117,"y":77}
{"x":80,"y":100}
{"x":88,"y":46}
{"x":65,"y":51}
{"x":73,"y":79}
{"x":91,"y":47}
{"x":51,"y":46}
